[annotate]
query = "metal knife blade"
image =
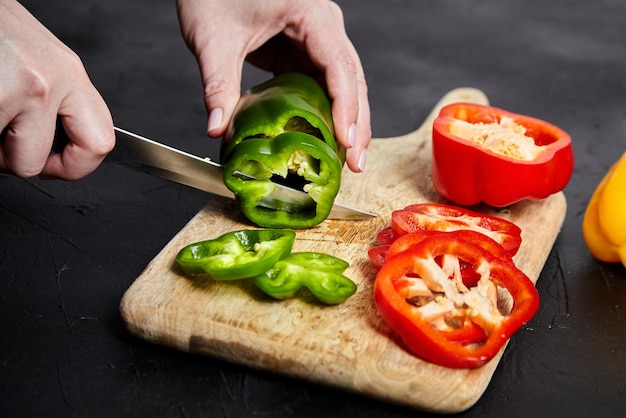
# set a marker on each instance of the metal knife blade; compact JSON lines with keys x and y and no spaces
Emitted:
{"x":152,"y":157}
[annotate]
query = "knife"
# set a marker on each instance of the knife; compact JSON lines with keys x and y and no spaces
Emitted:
{"x":148,"y":156}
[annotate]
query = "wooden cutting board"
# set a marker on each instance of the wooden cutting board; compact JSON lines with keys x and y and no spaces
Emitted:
{"x":348,"y":345}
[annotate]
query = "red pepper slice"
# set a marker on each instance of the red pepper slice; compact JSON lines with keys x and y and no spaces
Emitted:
{"x":378,"y":255}
{"x":407,"y":241}
{"x":386,"y":236}
{"x":467,"y":173}
{"x":440,"y":217}
{"x":381,"y":253}
{"x":422,"y":296}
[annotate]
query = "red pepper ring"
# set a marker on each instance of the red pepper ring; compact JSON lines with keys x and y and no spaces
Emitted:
{"x":467,"y":173}
{"x":470,"y":277}
{"x":385,"y":236}
{"x":409,"y":240}
{"x":469,"y":332}
{"x":440,"y":217}
{"x":392,"y":292}
{"x":378,"y":255}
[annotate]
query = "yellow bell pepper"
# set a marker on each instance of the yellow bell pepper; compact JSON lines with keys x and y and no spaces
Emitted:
{"x":604,"y":224}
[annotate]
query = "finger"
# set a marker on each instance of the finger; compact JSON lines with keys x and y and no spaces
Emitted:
{"x":214,"y":35}
{"x":89,"y":127}
{"x":221,"y":78}
{"x":342,"y":86}
{"x":355,"y":119}
{"x":347,"y":88}
{"x":356,"y":156}
{"x":352,"y":116}
{"x":25,"y":143}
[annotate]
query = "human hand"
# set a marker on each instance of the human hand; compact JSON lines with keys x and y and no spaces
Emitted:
{"x":279,"y":36}
{"x":41,"y":79}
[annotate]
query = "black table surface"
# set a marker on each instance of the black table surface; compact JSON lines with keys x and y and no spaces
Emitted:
{"x":69,"y":250}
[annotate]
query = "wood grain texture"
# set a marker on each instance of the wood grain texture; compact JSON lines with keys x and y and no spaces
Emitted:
{"x":346,"y":346}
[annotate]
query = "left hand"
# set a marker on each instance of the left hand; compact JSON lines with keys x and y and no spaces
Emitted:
{"x":279,"y":36}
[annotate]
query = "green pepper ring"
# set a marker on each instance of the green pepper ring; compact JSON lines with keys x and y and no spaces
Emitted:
{"x":263,"y":159}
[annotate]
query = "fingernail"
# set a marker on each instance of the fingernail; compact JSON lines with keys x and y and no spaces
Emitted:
{"x":215,"y":119}
{"x":362,"y":158}
{"x":352,"y":134}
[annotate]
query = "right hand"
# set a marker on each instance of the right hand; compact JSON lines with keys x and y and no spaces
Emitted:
{"x":40,"y":79}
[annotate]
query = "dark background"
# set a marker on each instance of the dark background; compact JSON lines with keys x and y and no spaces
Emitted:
{"x":69,"y":250}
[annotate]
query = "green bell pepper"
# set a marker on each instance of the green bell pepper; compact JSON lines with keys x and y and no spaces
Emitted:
{"x":282,"y":131}
{"x":320,"y":273}
{"x":237,"y":254}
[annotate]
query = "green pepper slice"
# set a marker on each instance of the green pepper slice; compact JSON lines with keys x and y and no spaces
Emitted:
{"x":318,"y":272}
{"x":282,"y":131}
{"x":237,"y":254}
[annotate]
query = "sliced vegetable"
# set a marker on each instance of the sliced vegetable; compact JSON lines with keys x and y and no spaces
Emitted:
{"x":386,"y":236}
{"x":486,"y":154}
{"x":441,"y":314}
{"x":264,"y":160}
{"x":378,"y":255}
{"x":238,"y":254}
{"x":604,"y":224}
{"x":440,"y":217}
{"x":265,"y":257}
{"x":282,"y":131}
{"x":320,"y":273}
{"x":477,"y":238}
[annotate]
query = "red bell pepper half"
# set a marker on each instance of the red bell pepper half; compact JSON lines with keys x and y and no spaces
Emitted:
{"x":485,"y":154}
{"x":441,"y":314}
{"x":439,"y":217}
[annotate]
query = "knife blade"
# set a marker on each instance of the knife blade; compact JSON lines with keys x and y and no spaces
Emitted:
{"x":152,"y":157}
